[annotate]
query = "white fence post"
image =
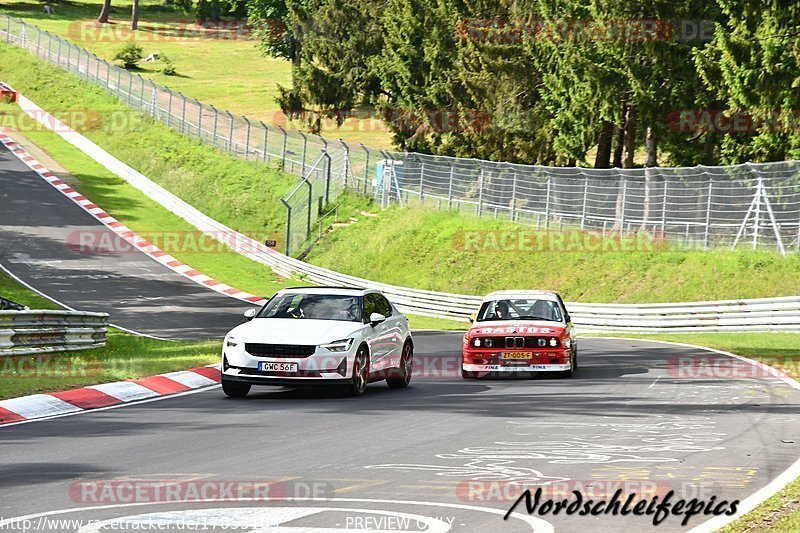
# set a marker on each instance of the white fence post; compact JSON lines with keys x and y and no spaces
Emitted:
{"x":585,"y":199}
{"x":708,"y":213}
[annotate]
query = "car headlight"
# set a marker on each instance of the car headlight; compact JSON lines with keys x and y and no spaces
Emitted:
{"x":230,"y":342}
{"x":482,"y":342}
{"x":338,"y":346}
{"x":567,"y":343}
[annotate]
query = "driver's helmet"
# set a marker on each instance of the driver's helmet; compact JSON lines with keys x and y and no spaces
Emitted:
{"x":501,"y":309}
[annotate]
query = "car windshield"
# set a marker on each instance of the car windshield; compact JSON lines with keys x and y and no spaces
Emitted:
{"x":313,"y":307}
{"x":520,"y":309}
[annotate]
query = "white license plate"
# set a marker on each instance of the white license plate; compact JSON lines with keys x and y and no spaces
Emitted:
{"x":277,"y":367}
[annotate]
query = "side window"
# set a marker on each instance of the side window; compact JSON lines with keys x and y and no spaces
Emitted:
{"x":564,"y":307}
{"x":384,"y":307}
{"x":370,"y":306}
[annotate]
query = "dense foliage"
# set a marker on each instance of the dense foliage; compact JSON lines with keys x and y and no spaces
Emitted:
{"x":602,"y":83}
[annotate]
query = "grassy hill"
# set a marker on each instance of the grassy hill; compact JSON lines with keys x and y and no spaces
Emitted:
{"x":206,"y":57}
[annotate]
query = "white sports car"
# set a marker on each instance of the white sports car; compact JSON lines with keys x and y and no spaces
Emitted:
{"x":319,"y":336}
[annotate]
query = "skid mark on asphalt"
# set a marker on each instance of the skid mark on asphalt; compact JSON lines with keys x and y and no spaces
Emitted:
{"x":648,"y":442}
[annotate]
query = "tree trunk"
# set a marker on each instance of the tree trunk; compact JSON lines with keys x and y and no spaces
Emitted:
{"x":630,"y":137}
{"x":135,"y":15}
{"x":619,"y":140}
{"x":105,"y":12}
{"x":650,"y":161}
{"x":603,"y":157}
{"x":629,"y":145}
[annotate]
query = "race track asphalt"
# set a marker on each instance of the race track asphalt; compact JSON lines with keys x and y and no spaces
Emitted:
{"x":443,"y":455}
{"x":37,"y":224}
{"x":644,"y":417}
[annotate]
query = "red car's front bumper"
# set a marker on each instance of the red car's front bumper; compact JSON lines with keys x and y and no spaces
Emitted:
{"x":503,"y":360}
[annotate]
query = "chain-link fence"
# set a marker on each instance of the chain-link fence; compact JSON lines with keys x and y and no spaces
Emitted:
{"x":698,"y":206}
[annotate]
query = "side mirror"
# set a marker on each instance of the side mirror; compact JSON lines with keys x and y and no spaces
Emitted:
{"x":250,"y":314}
{"x":473,"y":317}
{"x":376,"y":318}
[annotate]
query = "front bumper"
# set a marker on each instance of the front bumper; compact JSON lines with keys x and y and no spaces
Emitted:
{"x":322,"y":367}
{"x":274,"y":381}
{"x":518,"y":368}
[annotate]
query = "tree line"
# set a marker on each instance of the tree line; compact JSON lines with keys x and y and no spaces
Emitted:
{"x":607,"y":83}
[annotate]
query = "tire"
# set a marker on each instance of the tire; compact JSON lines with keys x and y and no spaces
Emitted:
{"x":403,"y":375}
{"x":235,"y":389}
{"x":468,"y":374}
{"x":573,"y":366}
{"x":358,"y":383}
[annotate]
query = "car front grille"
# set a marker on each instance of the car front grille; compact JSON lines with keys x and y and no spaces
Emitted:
{"x":518,"y":343}
{"x":279,"y":350}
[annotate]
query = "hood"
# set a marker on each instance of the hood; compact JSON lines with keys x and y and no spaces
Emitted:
{"x":517,"y":327}
{"x":294,"y":331}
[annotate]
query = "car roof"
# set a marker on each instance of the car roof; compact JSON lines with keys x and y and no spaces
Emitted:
{"x":521,"y":294}
{"x":350,"y":291}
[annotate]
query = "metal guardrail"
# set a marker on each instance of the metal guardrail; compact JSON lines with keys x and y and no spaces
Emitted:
{"x":43,"y":331}
{"x":771,"y":314}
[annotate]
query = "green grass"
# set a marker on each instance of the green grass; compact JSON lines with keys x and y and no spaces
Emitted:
{"x":424,"y":248}
{"x":779,"y":513}
{"x":205,"y":60}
